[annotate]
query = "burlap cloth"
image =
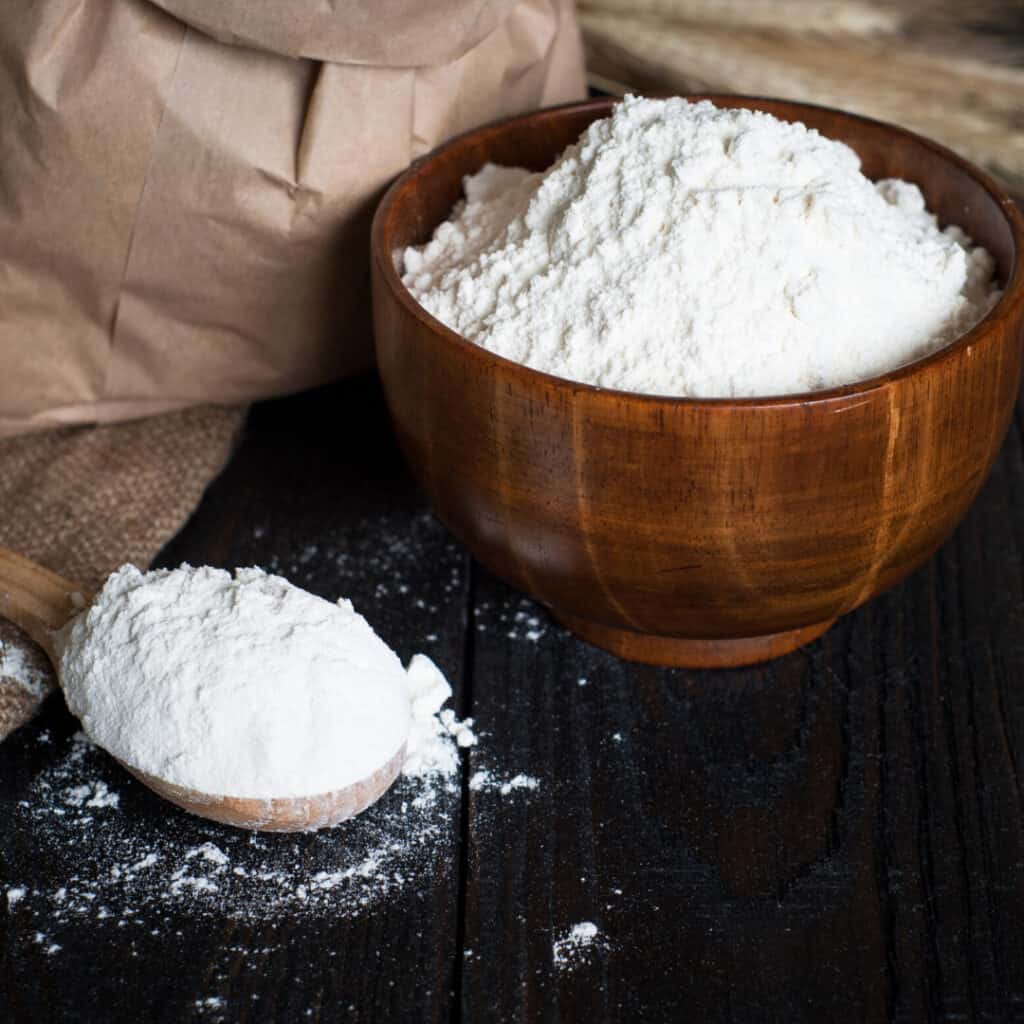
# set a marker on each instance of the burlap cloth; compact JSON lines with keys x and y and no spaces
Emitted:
{"x":84,"y":500}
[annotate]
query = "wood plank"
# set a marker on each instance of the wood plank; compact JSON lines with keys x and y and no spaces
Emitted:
{"x":838,"y":835}
{"x":317,"y":492}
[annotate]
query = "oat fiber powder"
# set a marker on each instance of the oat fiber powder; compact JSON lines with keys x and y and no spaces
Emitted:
{"x":682,"y":249}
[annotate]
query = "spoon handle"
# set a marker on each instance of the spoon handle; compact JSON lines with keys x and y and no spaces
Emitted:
{"x":37,"y":600}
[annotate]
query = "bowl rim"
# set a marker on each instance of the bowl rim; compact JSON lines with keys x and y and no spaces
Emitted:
{"x":1009,"y":305}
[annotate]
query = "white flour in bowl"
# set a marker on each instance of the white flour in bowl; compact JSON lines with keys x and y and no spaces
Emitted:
{"x":682,"y":249}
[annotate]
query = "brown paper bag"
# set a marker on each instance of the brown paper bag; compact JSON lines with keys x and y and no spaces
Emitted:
{"x":186,"y":188}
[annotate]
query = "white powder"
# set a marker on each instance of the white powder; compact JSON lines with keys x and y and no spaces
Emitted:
{"x":428,"y":749}
{"x":26,"y":669}
{"x":485,"y":780}
{"x":41,"y":939}
{"x":575,"y":945}
{"x":114,"y":864}
{"x":682,"y":249}
{"x":91,"y":796}
{"x":246,"y":685}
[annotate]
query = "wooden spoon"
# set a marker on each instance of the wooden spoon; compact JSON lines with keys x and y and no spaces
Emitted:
{"x":41,"y":602}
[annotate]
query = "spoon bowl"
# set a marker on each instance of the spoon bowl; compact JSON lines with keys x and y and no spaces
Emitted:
{"x":41,"y":603}
{"x":279,"y":814}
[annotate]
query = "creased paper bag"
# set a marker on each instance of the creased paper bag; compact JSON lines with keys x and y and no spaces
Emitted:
{"x":186,"y":188}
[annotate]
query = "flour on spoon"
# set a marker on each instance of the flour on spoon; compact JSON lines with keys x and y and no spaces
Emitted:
{"x":245,"y":685}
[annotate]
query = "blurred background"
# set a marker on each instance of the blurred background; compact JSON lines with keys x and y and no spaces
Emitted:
{"x":950,"y":69}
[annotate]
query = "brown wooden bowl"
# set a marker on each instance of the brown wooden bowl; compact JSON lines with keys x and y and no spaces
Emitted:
{"x":696,"y":532}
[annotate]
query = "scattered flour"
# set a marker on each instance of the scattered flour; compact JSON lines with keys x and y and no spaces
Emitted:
{"x":427,"y":748}
{"x":575,"y":945}
{"x":682,"y":249}
{"x":209,"y":1004}
{"x":41,"y":939}
{"x":461,"y":732}
{"x":115,"y":861}
{"x":25,"y":668}
{"x":484,"y":780}
{"x":97,"y":795}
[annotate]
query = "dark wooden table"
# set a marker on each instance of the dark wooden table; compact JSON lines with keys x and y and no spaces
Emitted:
{"x":835,"y":836}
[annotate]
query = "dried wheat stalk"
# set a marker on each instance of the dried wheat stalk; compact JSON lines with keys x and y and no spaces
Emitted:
{"x":901,"y":63}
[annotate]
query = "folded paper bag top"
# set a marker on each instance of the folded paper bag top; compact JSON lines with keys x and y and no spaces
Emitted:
{"x":386,"y":33}
{"x":184,"y":220}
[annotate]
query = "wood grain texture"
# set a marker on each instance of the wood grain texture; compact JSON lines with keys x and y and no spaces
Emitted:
{"x":838,"y":835}
{"x":952,"y":71}
{"x":678,"y":530}
{"x":34,"y":598}
{"x":822,"y":838}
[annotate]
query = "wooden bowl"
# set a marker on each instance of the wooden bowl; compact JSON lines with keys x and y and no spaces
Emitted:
{"x":696,"y":532}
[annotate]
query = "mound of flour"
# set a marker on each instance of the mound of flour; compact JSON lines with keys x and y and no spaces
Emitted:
{"x":682,"y":249}
{"x":245,"y":685}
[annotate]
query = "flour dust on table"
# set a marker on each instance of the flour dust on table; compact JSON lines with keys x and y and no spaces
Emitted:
{"x":25,"y":668}
{"x":576,"y":945}
{"x":105,"y":862}
{"x":102,"y":861}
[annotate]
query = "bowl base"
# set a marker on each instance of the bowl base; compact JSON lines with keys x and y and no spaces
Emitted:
{"x":683,"y":652}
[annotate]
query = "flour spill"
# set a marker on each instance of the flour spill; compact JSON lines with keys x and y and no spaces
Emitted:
{"x":576,"y":945}
{"x":25,"y":667}
{"x":101,"y":855}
